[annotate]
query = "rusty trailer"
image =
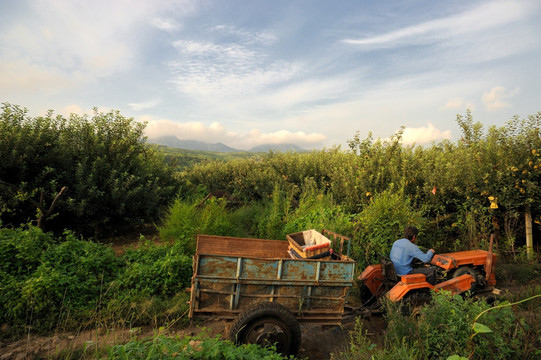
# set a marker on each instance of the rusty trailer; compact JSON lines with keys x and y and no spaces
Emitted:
{"x":267,"y":293}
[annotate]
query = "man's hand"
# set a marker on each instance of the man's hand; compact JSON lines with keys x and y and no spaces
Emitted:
{"x":433,"y":252}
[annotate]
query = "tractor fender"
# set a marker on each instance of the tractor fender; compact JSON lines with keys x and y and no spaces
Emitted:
{"x":407,"y":284}
{"x":372,"y":278}
{"x":458,"y":284}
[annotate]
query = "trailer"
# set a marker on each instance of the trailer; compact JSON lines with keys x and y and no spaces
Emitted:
{"x":264,"y":292}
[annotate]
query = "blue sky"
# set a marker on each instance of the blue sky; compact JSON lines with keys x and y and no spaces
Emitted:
{"x":246,"y":73}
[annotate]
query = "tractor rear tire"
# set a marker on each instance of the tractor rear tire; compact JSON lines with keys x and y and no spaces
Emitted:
{"x":478,"y":279}
{"x":413,"y":300}
{"x":267,"y":324}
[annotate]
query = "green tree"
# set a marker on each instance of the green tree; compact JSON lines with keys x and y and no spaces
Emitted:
{"x":113,"y":178}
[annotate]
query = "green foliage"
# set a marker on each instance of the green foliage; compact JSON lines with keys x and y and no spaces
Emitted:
{"x":448,"y":328}
{"x":49,"y":282}
{"x":21,"y":250}
{"x":317,"y":210}
{"x":113,"y":178}
{"x":360,"y":347}
{"x":135,"y":308}
{"x":381,"y":223}
{"x":444,"y":328}
{"x":464,"y":190}
{"x":184,"y":158}
{"x":155,"y":270}
{"x":201,"y":347}
{"x":66,"y":277}
{"x":185,"y":219}
{"x":273,"y":214}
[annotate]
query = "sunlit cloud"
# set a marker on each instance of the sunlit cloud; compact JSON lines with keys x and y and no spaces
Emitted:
{"x":22,"y":76}
{"x":74,"y":109}
{"x":458,"y":104}
{"x":216,"y":132}
{"x":497,"y":98}
{"x":148,"y":104}
{"x":424,"y":134}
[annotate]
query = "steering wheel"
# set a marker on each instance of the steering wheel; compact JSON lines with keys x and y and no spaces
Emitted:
{"x":416,"y":263}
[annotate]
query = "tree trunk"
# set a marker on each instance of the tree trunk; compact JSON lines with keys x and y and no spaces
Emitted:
{"x":529,"y":232}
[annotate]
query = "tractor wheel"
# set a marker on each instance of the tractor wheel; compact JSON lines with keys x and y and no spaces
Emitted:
{"x":413,"y":300}
{"x":267,"y":324}
{"x":479,"y":280}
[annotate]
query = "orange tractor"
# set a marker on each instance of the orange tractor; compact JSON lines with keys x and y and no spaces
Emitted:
{"x":457,"y":272}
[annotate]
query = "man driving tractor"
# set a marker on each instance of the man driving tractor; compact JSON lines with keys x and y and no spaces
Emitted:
{"x":404,"y":251}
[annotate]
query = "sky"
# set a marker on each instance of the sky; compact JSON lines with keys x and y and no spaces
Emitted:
{"x":252,"y":72}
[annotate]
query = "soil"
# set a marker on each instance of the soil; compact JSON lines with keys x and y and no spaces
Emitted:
{"x":317,"y":342}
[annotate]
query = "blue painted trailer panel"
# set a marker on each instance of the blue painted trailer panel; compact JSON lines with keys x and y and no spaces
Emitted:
{"x":232,"y":273}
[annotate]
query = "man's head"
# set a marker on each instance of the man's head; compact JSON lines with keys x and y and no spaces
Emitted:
{"x":410,"y":233}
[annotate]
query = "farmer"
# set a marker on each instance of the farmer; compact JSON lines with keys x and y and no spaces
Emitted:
{"x":403,"y":252}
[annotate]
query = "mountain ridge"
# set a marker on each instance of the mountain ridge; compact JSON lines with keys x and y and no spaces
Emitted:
{"x":173,"y":141}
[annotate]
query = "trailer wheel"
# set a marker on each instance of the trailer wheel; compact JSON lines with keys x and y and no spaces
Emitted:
{"x":267,"y":324}
{"x":478,"y":279}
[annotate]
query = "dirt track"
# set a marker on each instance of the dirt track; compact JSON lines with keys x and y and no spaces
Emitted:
{"x":317,"y":342}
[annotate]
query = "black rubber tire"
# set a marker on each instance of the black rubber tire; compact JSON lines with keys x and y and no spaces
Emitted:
{"x":267,"y":324}
{"x":478,"y":279}
{"x":413,"y":300}
{"x":366,"y":296}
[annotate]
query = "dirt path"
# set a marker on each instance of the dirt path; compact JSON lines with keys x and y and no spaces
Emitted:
{"x":317,"y":342}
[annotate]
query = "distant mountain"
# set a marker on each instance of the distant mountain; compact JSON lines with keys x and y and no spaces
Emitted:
{"x":173,"y":141}
{"x":277,"y":148}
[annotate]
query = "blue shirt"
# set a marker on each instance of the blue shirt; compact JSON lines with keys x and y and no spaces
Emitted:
{"x":403,"y":252}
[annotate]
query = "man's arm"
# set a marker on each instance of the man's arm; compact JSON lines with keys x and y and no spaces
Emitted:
{"x":418,"y":254}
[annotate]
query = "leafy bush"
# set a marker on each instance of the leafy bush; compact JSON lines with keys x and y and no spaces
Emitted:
{"x":446,"y":327}
{"x":317,"y":210}
{"x":381,"y":223}
{"x":186,"y":218}
{"x":21,"y":249}
{"x":113,"y":178}
{"x":47,"y":283}
{"x":155,"y":270}
{"x":67,"y":277}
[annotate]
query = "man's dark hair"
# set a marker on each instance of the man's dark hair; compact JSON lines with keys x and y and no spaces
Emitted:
{"x":410,"y":232}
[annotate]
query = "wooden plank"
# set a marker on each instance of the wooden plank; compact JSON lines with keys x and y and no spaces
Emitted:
{"x":231,"y":246}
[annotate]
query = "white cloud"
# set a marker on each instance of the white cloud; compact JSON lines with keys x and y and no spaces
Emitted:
{"x":424,"y":134}
{"x":457,"y":104}
{"x":74,"y":109}
{"x":216,"y":132}
{"x":496,"y":98}
{"x":232,"y":67}
{"x":74,"y":42}
{"x":168,"y":25}
{"x":486,"y":16}
{"x":21,"y":76}
{"x":148,"y":104}
{"x":247,"y":37}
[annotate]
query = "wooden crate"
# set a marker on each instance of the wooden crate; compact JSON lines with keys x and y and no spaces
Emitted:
{"x":308,"y":243}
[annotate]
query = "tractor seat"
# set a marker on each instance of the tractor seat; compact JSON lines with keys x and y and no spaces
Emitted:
{"x":388,"y":272}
